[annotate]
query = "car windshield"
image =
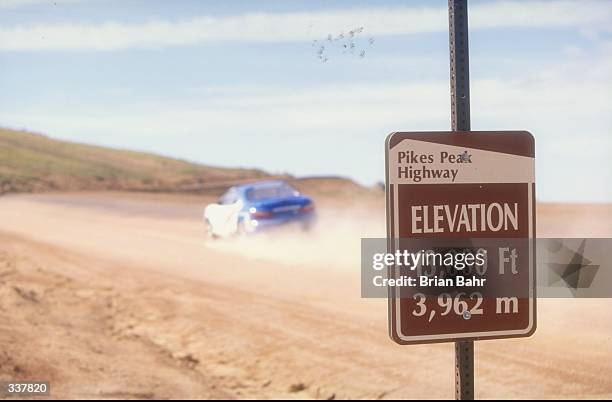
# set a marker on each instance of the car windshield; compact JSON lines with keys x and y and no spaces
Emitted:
{"x":267,"y":192}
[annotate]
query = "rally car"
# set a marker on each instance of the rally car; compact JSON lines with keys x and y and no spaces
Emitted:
{"x":254,"y":207}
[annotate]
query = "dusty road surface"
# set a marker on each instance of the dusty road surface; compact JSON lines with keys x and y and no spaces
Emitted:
{"x":120,"y":296}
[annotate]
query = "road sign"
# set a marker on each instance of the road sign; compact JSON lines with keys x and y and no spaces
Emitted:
{"x":451,"y":195}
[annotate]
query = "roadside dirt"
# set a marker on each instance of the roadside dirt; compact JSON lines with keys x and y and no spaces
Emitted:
{"x":119,"y":296}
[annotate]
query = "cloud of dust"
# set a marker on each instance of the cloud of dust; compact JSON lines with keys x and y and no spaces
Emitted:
{"x":334,"y":241}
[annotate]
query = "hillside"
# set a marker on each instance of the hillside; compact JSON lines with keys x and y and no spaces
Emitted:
{"x":33,"y":162}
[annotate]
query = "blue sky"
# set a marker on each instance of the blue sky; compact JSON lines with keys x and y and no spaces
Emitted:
{"x":240,"y":83}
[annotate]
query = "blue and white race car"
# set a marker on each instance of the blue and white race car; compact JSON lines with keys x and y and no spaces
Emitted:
{"x":253,"y":207}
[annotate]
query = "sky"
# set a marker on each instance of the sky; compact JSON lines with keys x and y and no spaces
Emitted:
{"x":245,"y":83}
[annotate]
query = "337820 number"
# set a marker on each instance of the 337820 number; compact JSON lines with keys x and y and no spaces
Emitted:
{"x":24,"y":388}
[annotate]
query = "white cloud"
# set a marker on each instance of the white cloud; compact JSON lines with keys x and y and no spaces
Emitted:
{"x":283,"y":27}
{"x":542,"y":14}
{"x":259,"y":108}
{"x":14,"y":4}
{"x":20,"y":3}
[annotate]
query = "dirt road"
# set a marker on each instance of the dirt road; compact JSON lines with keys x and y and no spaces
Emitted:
{"x":114,"y":295}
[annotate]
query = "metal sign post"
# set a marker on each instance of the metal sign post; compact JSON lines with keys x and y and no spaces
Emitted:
{"x":460,"y":193}
{"x":460,"y":121}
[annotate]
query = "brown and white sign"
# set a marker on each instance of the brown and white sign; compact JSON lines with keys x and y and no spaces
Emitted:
{"x":473,"y":191}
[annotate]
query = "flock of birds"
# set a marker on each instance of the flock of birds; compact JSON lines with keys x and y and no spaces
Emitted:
{"x":350,"y":42}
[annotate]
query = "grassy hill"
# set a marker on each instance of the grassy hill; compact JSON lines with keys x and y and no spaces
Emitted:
{"x":33,"y":162}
